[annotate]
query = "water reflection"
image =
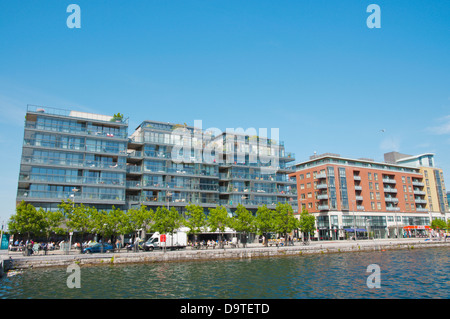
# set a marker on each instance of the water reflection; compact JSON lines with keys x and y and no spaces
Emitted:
{"x":418,"y":273}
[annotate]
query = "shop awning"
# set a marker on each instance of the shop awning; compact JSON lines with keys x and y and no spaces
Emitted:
{"x":351,"y":230}
{"x":417,"y":227}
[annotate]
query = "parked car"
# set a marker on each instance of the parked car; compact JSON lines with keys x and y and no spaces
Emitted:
{"x":97,"y":248}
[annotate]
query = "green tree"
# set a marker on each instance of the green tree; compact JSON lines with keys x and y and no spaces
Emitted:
{"x":264,"y":222}
{"x":307,"y":222}
{"x":79,"y":219}
{"x":438,"y":224}
{"x":167,"y":221}
{"x":218,"y":220}
{"x":67,"y":209}
{"x":196,"y":220}
{"x":54,"y":221}
{"x":141,"y":218}
{"x":243,"y":222}
{"x":27,"y":220}
{"x":284,"y":220}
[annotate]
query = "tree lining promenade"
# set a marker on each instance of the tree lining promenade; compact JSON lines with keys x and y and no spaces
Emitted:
{"x":16,"y":260}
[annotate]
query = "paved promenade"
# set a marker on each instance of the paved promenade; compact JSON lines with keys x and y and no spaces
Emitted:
{"x":62,"y":258}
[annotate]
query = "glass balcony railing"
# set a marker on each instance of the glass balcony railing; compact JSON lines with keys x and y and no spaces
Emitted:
{"x":69,"y":179}
{"x":73,"y":114}
{"x":72,"y":162}
{"x":163,"y":200}
{"x":76,"y":130}
{"x":250,"y":202}
{"x":75,"y":146}
{"x":35,"y":194}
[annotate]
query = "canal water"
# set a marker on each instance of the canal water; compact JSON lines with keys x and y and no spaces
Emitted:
{"x":413,"y":273}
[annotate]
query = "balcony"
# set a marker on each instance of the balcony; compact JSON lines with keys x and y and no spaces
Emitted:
{"x":321,"y":175}
{"x":322,"y":186}
{"x":391,"y":199}
{"x":420,"y":184}
{"x":134,"y":169}
{"x":356,"y":178}
{"x":418,"y":192}
{"x":421,"y":210}
{"x":390,"y":190}
{"x":389,"y":181}
{"x":360,"y":208}
{"x":392,"y":209}
{"x":358,"y":188}
{"x":323,"y":207}
{"x":359,"y":198}
{"x":420,"y":201}
{"x":323,"y":196}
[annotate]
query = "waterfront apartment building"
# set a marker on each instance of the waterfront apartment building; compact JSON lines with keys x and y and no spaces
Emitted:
{"x":92,"y":159}
{"x":344,"y":194}
{"x":73,"y":155}
{"x":433,"y":179}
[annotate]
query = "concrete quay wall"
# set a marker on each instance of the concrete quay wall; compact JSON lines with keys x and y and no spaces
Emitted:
{"x":254,"y":251}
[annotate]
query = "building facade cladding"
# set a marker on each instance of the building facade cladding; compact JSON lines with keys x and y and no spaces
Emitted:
{"x":76,"y":155}
{"x":347,"y":192}
{"x":92,"y":158}
{"x":437,"y":203}
{"x":204,"y":173}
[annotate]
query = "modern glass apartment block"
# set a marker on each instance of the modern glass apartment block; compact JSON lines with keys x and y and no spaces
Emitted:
{"x":253,"y":171}
{"x":173,"y":165}
{"x":155,"y":178}
{"x":91,"y":159}
{"x":73,"y":155}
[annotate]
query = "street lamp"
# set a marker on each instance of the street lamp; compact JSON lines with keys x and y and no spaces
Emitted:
{"x":74,"y":190}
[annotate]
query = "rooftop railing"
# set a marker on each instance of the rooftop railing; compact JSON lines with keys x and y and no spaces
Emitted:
{"x":73,"y":114}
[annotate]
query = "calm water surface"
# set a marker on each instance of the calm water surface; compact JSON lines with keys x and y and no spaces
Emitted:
{"x":416,"y":273}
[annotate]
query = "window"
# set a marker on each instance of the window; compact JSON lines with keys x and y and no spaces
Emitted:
{"x":404,"y":188}
{"x":308,"y":175}
{"x":308,"y":185}
{"x":409,"y":188}
{"x":378,"y":195}
{"x":379,"y":206}
{"x":375,"y":175}
{"x":370,"y":185}
{"x":301,"y":176}
{"x":403,"y":179}
{"x":408,"y":179}
{"x":371,"y":195}
{"x":372,"y":204}
{"x":377,"y":186}
{"x":309,"y":195}
{"x":390,"y":218}
{"x":302,"y":186}
{"x":370,"y":176}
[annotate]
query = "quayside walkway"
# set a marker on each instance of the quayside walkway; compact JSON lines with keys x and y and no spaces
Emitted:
{"x":16,"y":260}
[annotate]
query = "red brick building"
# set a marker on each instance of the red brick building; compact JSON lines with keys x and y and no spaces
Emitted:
{"x":372,"y":196}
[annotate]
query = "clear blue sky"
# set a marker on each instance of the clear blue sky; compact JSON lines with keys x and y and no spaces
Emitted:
{"x":313,"y":69}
